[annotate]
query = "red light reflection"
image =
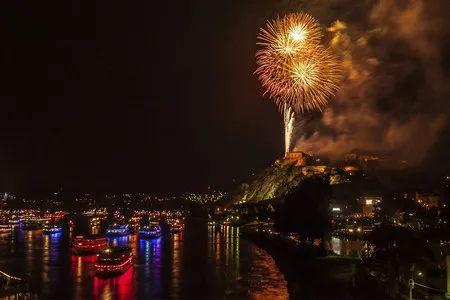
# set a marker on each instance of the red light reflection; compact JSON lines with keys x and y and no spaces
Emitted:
{"x":121,"y":286}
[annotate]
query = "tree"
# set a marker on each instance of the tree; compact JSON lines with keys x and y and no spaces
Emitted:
{"x":429,"y":217}
{"x":397,"y":250}
{"x":307,"y":210}
{"x":386,"y":210}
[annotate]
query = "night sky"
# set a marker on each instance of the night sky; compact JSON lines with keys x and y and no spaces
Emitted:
{"x":154,"y":96}
{"x":160,"y":96}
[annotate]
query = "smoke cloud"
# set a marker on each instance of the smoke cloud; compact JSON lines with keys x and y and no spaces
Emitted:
{"x":393,"y":99}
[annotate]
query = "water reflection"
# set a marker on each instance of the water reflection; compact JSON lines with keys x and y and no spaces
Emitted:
{"x":177,"y":239}
{"x":95,"y":229}
{"x":244,"y":270}
{"x":120,"y":288}
{"x":346,"y":247}
{"x":82,"y":272}
{"x":264,"y":278}
{"x":201,"y":262}
{"x":150,"y":261}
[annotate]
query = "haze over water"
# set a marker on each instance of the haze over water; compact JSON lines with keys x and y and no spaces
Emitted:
{"x":201,"y":262}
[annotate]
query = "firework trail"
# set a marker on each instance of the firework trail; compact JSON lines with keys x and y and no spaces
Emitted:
{"x":294,"y":69}
{"x":289,"y":119}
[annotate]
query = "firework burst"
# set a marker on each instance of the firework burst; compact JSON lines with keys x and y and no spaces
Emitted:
{"x":292,"y":66}
{"x":290,"y":34}
{"x":309,"y":81}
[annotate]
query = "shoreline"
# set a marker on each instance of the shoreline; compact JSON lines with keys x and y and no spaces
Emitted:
{"x":318,"y":277}
{"x":283,"y":255}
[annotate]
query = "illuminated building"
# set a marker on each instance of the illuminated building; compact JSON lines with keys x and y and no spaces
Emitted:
{"x":428,"y":200}
{"x":299,"y":158}
{"x":339,"y":207}
{"x":368,"y":205}
{"x":353,"y":157}
{"x":350,"y":169}
{"x":313,"y":170}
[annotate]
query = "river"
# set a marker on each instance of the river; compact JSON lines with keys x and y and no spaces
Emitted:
{"x":201,"y":263}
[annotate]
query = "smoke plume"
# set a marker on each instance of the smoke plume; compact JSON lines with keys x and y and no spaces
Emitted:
{"x":393,"y":100}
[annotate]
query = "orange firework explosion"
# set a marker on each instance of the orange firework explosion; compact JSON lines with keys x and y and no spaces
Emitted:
{"x":293,"y":68}
{"x":311,"y":80}
{"x":291,"y":34}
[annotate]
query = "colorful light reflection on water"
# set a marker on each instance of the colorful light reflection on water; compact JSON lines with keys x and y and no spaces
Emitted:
{"x":201,"y":262}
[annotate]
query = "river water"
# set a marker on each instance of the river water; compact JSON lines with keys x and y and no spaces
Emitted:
{"x":202,"y":263}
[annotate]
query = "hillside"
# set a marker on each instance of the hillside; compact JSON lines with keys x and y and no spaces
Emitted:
{"x":271,"y":183}
{"x":277,"y":179}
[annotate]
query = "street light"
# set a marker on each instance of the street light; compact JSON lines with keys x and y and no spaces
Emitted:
{"x":412,"y":283}
{"x":411,"y":286}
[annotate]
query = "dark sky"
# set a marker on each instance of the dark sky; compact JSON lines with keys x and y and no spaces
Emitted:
{"x":154,"y":96}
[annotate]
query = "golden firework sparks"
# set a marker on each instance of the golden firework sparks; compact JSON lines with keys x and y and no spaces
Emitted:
{"x":290,"y":34}
{"x":292,"y":66}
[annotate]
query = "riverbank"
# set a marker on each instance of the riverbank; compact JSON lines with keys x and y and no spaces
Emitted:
{"x":313,"y":277}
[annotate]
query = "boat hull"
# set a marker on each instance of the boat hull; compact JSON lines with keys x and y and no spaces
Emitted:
{"x":46,"y":231}
{"x":113,"y":272}
{"x":89,"y":250}
{"x":117,"y":234}
{"x":176,"y":229}
{"x":83,"y":252}
{"x":144,"y":235}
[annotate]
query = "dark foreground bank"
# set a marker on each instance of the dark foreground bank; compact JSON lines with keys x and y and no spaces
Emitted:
{"x":310,"y":276}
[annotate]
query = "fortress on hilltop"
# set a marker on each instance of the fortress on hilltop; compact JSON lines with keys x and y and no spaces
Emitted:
{"x":298,"y":158}
{"x":306,"y":162}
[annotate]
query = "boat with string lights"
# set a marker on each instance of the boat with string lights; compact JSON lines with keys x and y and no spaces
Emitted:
{"x":13,"y":221}
{"x":150,"y":232}
{"x":5,"y":229}
{"x":51,"y":229}
{"x":95,"y":221}
{"x":117,"y":230}
{"x":177,"y":226}
{"x":89,"y":244}
{"x":113,"y":262}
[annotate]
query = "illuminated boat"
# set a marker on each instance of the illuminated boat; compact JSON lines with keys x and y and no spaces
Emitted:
{"x":5,"y":229}
{"x":50,"y":229}
{"x":113,"y":262}
{"x":213,"y":223}
{"x":89,"y":244}
{"x":177,"y":227}
{"x":95,"y":221}
{"x":117,"y":230}
{"x":14,"y":221}
{"x":55,"y":217}
{"x":150,"y":232}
